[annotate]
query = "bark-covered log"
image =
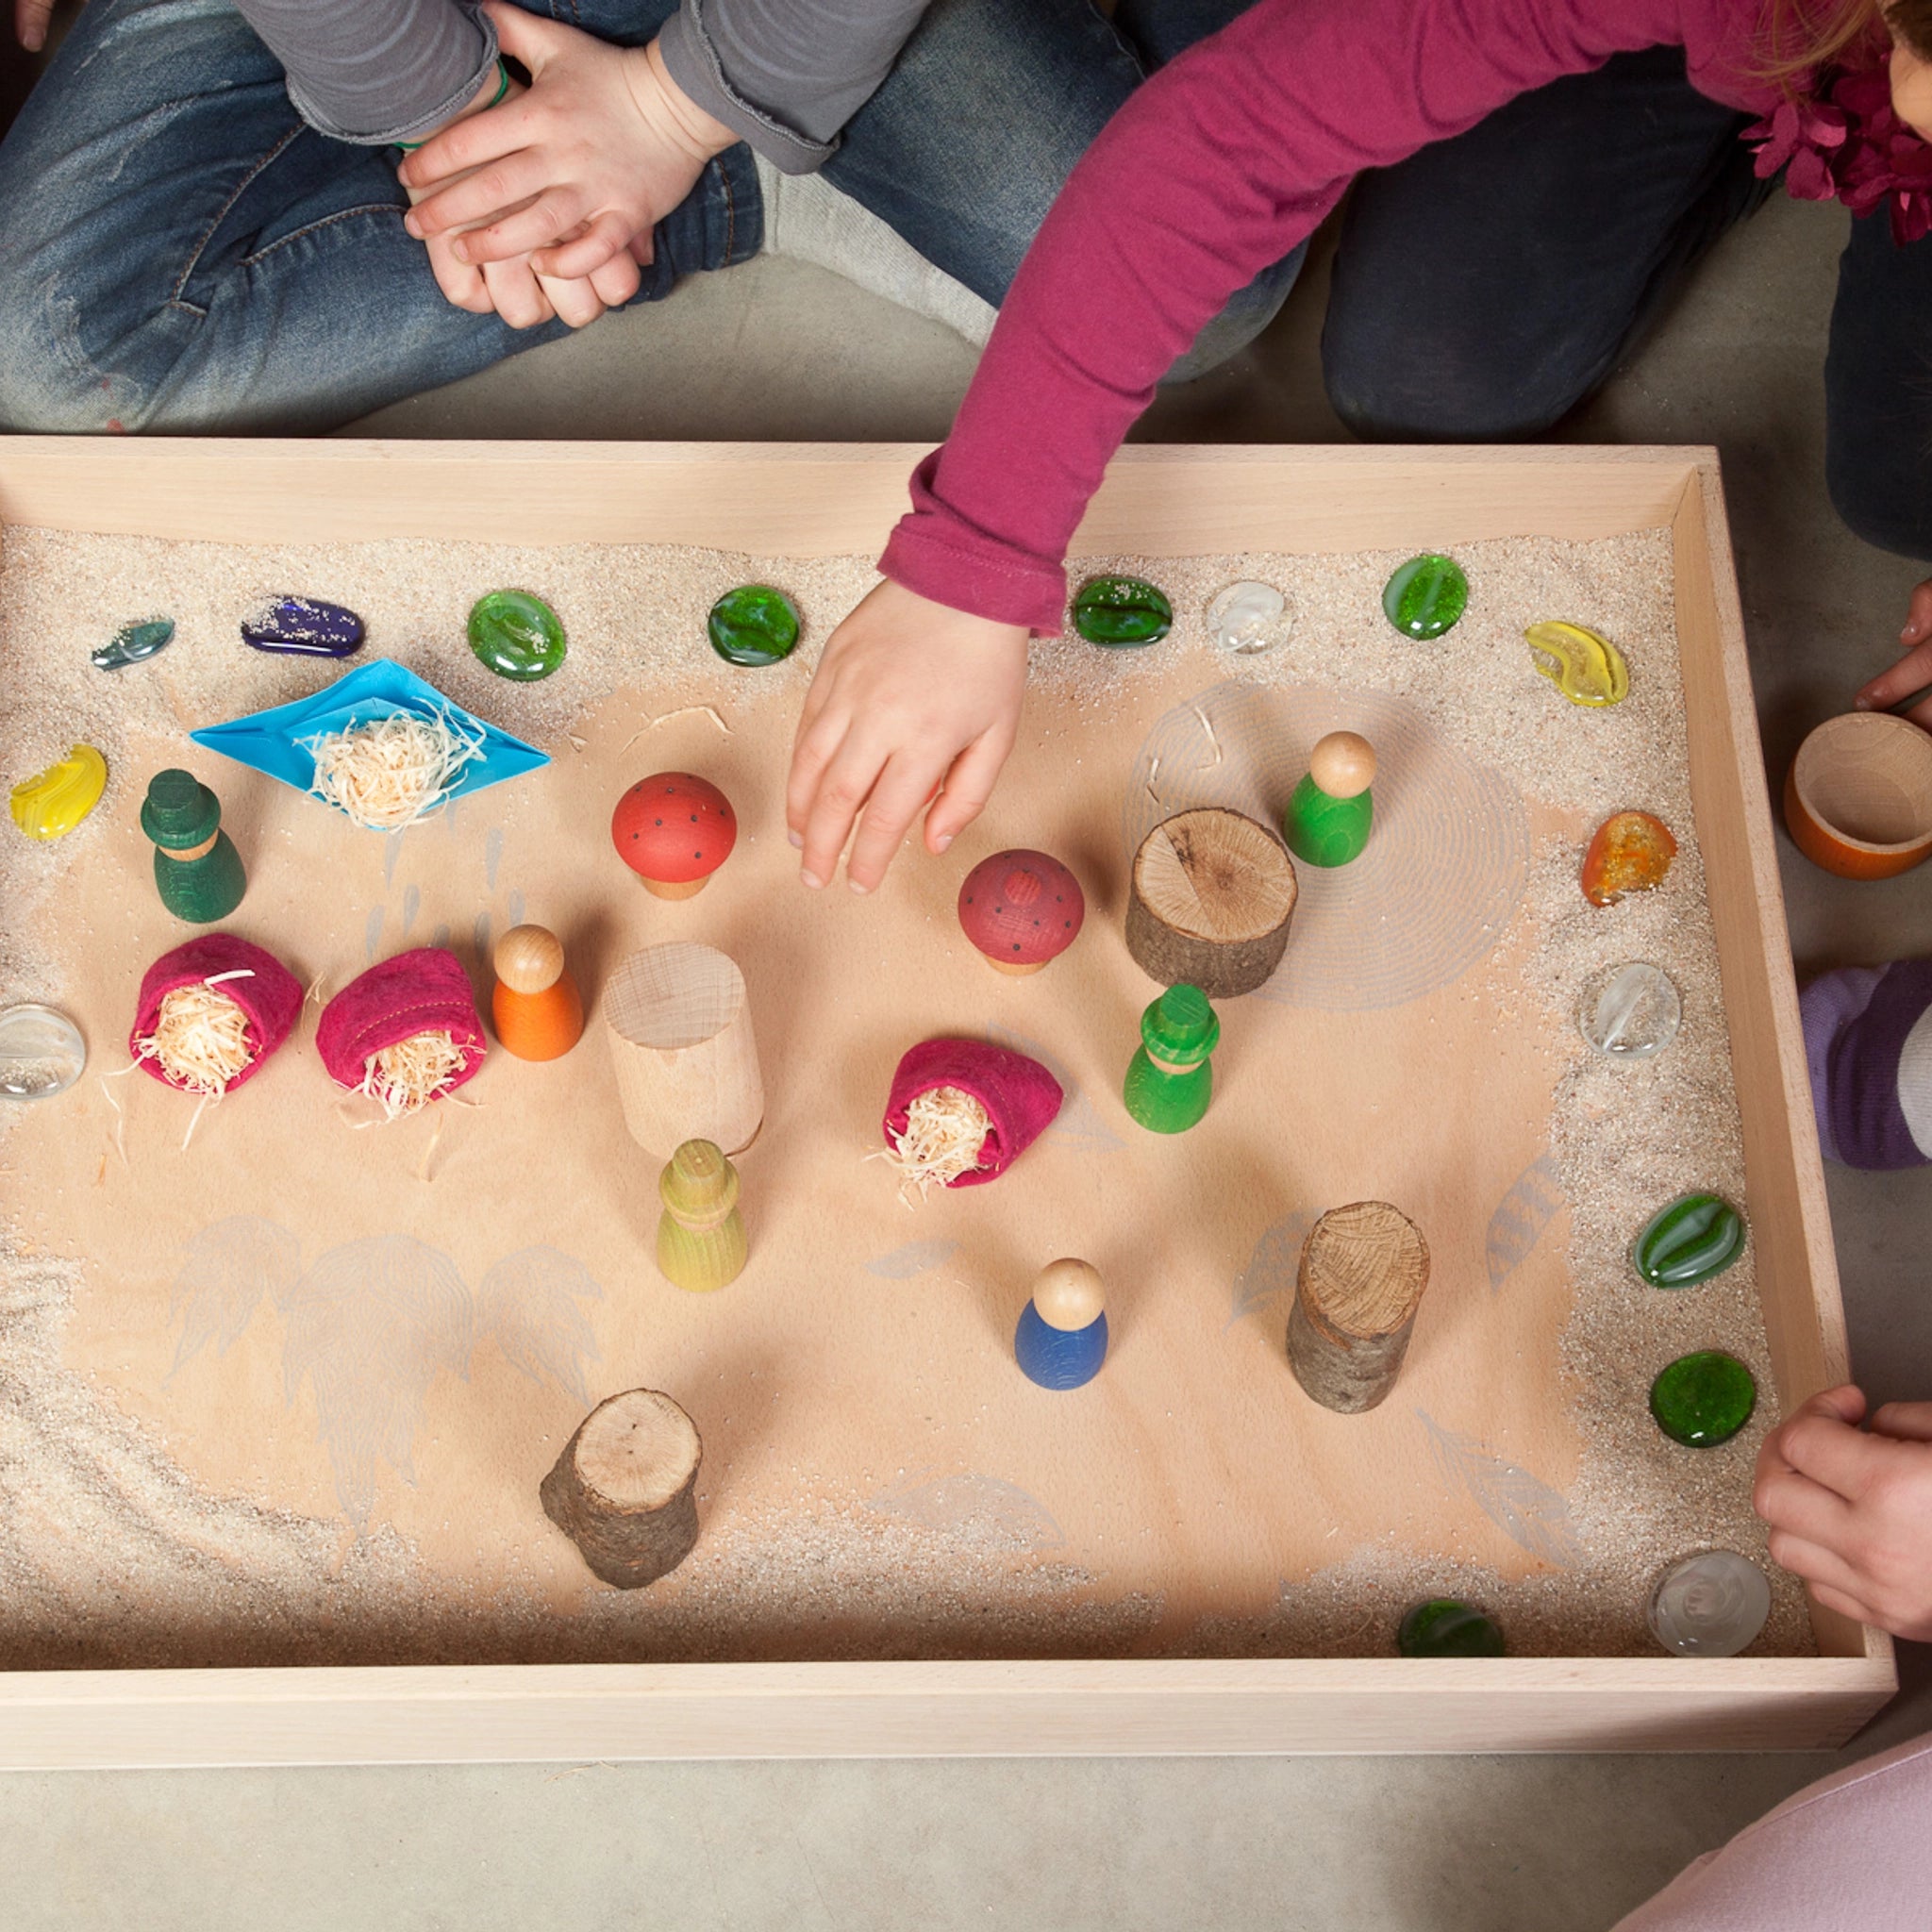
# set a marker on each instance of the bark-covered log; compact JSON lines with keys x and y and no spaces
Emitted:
{"x":1211,"y":902}
{"x":1363,"y":1271}
{"x":624,"y":1489}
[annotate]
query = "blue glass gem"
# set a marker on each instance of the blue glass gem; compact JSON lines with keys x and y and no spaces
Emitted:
{"x":304,"y":627}
{"x":134,"y":644}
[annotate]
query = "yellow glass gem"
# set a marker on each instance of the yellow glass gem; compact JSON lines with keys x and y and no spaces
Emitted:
{"x":52,"y":804}
{"x":1586,"y":668}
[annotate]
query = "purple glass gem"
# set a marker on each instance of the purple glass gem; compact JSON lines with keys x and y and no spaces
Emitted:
{"x":304,"y":627}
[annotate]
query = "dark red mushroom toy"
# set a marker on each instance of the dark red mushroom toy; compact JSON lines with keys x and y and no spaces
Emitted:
{"x":1021,"y":909}
{"x":674,"y":831}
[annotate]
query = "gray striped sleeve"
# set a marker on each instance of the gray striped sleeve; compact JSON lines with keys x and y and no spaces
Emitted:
{"x":786,"y":74}
{"x":375,"y":71}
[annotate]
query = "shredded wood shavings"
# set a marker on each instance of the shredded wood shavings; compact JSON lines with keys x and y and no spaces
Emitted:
{"x":1211,"y":739}
{"x":200,"y":1041}
{"x":411,"y":1074}
{"x":944,"y":1131}
{"x":683,"y":711}
{"x":389,"y":772}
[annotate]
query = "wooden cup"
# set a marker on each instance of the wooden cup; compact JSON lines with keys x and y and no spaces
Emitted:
{"x":1858,"y":795}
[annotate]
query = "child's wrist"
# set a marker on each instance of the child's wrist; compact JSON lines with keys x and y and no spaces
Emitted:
{"x":701,"y":135}
{"x":495,"y":89}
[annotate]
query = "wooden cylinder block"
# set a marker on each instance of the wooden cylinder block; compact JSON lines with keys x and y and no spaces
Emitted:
{"x":624,"y":1489}
{"x":1210,"y":903}
{"x":680,"y":1033}
{"x":1362,"y":1273}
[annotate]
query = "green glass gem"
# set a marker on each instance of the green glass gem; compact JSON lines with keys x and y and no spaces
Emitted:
{"x":517,"y":635}
{"x":1426,"y":595}
{"x":1122,"y":613}
{"x":1702,"y":1399}
{"x":1170,"y":1079}
{"x":753,"y":624}
{"x":134,"y":644}
{"x":1447,"y":1628}
{"x":1695,"y":1237}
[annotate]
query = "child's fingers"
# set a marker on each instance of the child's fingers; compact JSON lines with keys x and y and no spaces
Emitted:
{"x":818,"y":734}
{"x":515,"y":294}
{"x":1844,"y":1602}
{"x":473,"y":142}
{"x":596,"y":242}
{"x":617,"y":281}
{"x":902,"y":788}
{"x":480,"y":198}
{"x":1912,"y":671}
{"x":461,"y":285}
{"x":842,"y":789}
{"x":30,"y":19}
{"x":1918,"y":627}
{"x":1795,"y":1505}
{"x":525,"y":37}
{"x":1816,"y":1562}
{"x":1904,"y":1421}
{"x":575,"y":301}
{"x":1833,"y":1454}
{"x":969,"y":785}
{"x":540,"y":223}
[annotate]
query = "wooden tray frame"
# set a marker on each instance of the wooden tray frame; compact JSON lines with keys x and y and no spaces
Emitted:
{"x":807,"y":499}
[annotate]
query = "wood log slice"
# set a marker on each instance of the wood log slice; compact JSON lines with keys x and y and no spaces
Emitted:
{"x":1363,"y":1271}
{"x":1211,"y":898}
{"x":624,"y":1489}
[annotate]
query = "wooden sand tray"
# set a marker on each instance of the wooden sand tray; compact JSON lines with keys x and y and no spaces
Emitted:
{"x":366,"y":1348}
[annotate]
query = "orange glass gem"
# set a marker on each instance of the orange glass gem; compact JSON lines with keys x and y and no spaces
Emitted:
{"x":1630,"y":852}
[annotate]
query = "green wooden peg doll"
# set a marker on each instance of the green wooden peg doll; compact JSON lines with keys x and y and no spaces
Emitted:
{"x":197,"y":870}
{"x":701,"y":1243}
{"x":1327,"y":820}
{"x":1170,"y":1077}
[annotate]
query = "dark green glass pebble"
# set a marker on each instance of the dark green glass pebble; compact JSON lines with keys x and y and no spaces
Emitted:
{"x":1702,"y":1399}
{"x":1447,"y":1628}
{"x":1122,"y":612}
{"x":134,"y":644}
{"x":1426,"y":595}
{"x":753,"y":624}
{"x":1695,"y":1237}
{"x":517,"y":635}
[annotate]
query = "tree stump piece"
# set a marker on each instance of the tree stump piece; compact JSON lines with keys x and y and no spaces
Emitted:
{"x":1211,"y":899}
{"x":624,"y":1489}
{"x":1363,"y":1271}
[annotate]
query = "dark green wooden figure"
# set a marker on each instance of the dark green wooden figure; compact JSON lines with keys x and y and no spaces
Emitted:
{"x":1170,"y":1078}
{"x":1327,"y":820}
{"x":197,"y":870}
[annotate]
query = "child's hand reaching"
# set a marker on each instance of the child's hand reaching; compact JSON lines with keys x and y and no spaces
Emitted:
{"x":573,"y":171}
{"x":1851,"y":1510}
{"x":910,"y":697}
{"x":1912,"y":671}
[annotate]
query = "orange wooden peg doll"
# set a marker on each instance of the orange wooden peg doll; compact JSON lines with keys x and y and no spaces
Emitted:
{"x":536,"y":1005}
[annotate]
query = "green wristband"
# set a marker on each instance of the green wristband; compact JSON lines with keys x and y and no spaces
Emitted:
{"x":410,"y":147}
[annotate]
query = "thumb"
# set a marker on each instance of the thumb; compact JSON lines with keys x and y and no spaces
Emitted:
{"x":523,"y":36}
{"x":1905,"y":1422}
{"x":1844,"y":1404}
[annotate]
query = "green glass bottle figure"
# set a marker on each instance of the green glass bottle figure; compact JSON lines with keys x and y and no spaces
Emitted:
{"x":1328,"y":818}
{"x":197,"y":870}
{"x":1171,"y":1077}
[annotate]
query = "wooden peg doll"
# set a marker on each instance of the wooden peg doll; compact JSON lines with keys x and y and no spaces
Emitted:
{"x":1328,"y":818}
{"x":1170,"y":1079}
{"x":536,"y":1006}
{"x":1061,"y":1340}
{"x":701,"y":1243}
{"x":197,"y":870}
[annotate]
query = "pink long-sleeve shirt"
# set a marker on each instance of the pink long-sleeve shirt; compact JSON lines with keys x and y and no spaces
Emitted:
{"x":1218,"y":166}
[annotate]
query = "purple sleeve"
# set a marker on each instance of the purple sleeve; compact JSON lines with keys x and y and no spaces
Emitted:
{"x":1868,"y":1045}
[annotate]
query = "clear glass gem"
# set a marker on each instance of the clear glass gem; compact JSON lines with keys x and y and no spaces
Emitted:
{"x":1248,"y":618}
{"x":42,"y":1052}
{"x":1631,"y":1011}
{"x":1711,"y":1605}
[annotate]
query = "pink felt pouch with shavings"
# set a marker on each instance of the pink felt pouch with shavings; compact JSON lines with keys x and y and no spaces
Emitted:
{"x":425,"y":990}
{"x":268,"y":993}
{"x":1020,"y":1097}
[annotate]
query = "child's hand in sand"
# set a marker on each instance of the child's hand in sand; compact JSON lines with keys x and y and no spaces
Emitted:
{"x":1913,"y":672}
{"x":1851,"y":1510}
{"x":910,"y":697}
{"x":577,"y":170}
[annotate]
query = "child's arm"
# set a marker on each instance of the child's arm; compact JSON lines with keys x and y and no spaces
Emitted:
{"x":1219,"y":166}
{"x":1851,"y":1511}
{"x":1913,"y":672}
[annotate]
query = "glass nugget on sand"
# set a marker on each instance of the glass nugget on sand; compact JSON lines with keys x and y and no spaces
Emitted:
{"x":1426,"y":595}
{"x":1631,"y":851}
{"x":1248,"y":618}
{"x":42,"y":1053}
{"x":1122,"y":613}
{"x":1711,"y":1605}
{"x":134,"y":644}
{"x":1702,"y":1399}
{"x":516,"y":635}
{"x":51,"y":803}
{"x":1445,"y":1628}
{"x":1588,"y":668}
{"x":1687,"y":1242}
{"x":1630,"y":1012}
{"x":754,"y":625}
{"x":304,"y":627}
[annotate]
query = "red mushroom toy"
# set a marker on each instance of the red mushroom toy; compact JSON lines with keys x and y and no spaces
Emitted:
{"x":674,"y":831}
{"x":1021,"y":909}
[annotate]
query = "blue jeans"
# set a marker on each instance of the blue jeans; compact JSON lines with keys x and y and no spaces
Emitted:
{"x":179,"y":252}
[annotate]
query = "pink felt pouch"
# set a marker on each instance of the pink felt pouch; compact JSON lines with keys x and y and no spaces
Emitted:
{"x":1020,"y":1097}
{"x":270,"y":995}
{"x":425,"y":990}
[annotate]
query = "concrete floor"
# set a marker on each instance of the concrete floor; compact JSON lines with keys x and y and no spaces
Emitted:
{"x":1484,"y":1844}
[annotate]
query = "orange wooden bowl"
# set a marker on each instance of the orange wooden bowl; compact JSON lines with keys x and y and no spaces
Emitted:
{"x":1858,"y":795}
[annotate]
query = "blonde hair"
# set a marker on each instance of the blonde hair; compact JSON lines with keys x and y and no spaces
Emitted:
{"x":1800,"y":37}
